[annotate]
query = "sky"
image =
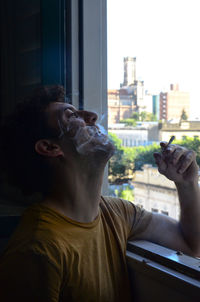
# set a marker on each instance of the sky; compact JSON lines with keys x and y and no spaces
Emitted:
{"x":164,"y":36}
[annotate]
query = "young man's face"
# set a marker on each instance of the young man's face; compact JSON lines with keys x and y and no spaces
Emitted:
{"x":79,"y":128}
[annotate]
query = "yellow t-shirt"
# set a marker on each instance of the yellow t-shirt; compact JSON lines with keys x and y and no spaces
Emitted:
{"x":52,"y":258}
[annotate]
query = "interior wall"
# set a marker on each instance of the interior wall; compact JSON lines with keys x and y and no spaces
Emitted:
{"x":20,"y":51}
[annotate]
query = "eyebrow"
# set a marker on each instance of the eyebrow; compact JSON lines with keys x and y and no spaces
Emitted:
{"x":71,"y":107}
{"x":65,"y":106}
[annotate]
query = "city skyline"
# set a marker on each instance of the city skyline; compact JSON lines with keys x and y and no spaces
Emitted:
{"x":162,"y":35}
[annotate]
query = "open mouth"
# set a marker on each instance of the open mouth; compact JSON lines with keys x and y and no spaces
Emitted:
{"x":94,"y":131}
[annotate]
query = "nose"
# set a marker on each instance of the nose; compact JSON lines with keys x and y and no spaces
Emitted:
{"x":89,"y":117}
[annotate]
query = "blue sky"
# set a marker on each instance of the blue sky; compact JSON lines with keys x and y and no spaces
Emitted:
{"x":164,"y":37}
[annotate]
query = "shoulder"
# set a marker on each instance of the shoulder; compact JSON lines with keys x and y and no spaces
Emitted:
{"x":36,"y":234}
{"x":118,"y":205}
{"x":118,"y":212}
{"x":133,"y":216}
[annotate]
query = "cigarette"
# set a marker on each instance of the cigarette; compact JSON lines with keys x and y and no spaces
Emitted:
{"x":170,"y":141}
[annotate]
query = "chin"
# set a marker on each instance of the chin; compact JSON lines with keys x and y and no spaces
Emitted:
{"x":105,"y":153}
{"x":97,"y":149}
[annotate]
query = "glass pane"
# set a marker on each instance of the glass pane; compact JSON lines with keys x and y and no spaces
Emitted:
{"x":153,"y":66}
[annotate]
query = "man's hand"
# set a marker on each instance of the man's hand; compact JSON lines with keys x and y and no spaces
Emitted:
{"x":177,"y":163}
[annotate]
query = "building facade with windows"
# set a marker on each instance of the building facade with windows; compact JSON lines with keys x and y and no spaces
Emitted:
{"x":179,"y":130}
{"x":121,"y":105}
{"x":144,"y":134}
{"x":155,"y":192}
{"x":173,"y":102}
{"x":129,"y":71}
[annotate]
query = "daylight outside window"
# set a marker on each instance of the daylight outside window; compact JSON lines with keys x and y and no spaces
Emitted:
{"x":153,"y":94}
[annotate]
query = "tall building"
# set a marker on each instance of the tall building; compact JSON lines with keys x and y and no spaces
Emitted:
{"x":173,"y":102}
{"x":139,"y":85}
{"x":156,"y":105}
{"x":145,"y":102}
{"x":129,"y":71}
{"x":132,"y":84}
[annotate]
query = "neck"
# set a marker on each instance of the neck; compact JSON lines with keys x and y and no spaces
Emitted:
{"x":77,"y":191}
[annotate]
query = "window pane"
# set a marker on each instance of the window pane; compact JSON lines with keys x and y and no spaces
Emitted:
{"x":153,"y":65}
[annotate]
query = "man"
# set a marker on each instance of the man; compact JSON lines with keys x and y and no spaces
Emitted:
{"x":71,"y":245}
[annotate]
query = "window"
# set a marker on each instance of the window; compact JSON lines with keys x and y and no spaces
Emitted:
{"x":154,"y":210}
{"x":164,"y":213}
{"x":156,"y":80}
{"x":31,"y":30}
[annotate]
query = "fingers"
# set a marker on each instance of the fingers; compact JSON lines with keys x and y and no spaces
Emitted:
{"x":188,"y":158}
{"x":157,"y":157}
{"x":163,"y":144}
{"x":177,"y":154}
{"x":179,"y":157}
{"x":166,"y":145}
{"x":162,"y":166}
{"x":174,"y":155}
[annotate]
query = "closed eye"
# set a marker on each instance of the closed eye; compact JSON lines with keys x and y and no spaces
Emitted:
{"x":74,"y":114}
{"x":70,"y":112}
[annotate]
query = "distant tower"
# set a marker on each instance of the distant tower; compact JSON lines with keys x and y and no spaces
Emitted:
{"x":129,"y":71}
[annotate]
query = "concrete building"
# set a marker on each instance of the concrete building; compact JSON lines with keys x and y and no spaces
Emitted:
{"x":156,"y":105}
{"x":155,"y":192}
{"x":173,"y":102}
{"x":132,"y":84}
{"x":148,"y":102}
{"x":179,"y":130}
{"x":144,"y":134}
{"x":121,"y":105}
{"x":130,"y":97}
{"x":129,"y":71}
{"x":140,"y":94}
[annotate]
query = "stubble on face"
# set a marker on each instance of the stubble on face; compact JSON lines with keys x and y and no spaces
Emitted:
{"x":87,"y":139}
{"x":90,"y":140}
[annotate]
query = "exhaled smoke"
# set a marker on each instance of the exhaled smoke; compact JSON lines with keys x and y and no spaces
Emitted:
{"x":90,"y":139}
{"x":102,"y":129}
{"x":103,"y":116}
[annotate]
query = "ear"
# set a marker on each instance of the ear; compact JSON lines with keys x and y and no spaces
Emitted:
{"x":47,"y":148}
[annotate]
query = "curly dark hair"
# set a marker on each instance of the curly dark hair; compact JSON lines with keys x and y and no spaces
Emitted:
{"x":20,"y":165}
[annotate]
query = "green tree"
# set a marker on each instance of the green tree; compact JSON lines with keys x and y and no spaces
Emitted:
{"x":128,"y":159}
{"x":129,"y":122}
{"x":183,"y":116}
{"x":192,"y":144}
{"x":116,"y":141}
{"x":143,"y":116}
{"x":135,"y":116}
{"x":121,"y":191}
{"x":127,"y":194}
{"x":151,"y":117}
{"x":115,"y":168}
{"x":144,"y":155}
